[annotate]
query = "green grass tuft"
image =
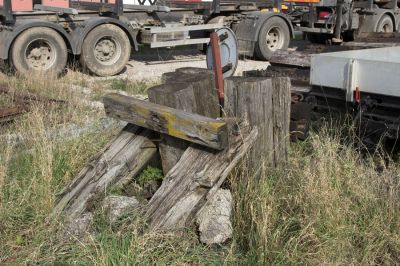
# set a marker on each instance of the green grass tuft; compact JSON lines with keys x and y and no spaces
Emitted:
{"x":150,"y":174}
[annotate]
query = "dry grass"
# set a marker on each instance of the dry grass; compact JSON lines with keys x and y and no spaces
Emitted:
{"x":329,"y":205}
{"x":32,"y":171}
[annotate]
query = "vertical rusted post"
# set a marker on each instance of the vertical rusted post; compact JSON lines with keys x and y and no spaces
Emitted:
{"x":216,"y":54}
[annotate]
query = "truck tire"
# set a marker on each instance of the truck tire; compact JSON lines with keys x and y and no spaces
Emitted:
{"x":274,"y":35}
{"x":105,"y":51}
{"x":385,"y":24}
{"x":38,"y":50}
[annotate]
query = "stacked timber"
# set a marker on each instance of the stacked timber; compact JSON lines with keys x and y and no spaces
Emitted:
{"x":198,"y":149}
{"x":300,"y":110}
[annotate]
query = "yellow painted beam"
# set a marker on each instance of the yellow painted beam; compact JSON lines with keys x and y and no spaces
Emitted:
{"x":177,"y":123}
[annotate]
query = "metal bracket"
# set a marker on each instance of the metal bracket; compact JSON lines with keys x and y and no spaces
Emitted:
{"x":351,"y":82}
{"x":148,"y":8}
{"x":6,"y":11}
{"x":216,"y":7}
{"x":157,"y":30}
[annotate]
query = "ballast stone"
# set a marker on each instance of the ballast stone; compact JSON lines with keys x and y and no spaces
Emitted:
{"x":117,"y":206}
{"x":214,"y":219}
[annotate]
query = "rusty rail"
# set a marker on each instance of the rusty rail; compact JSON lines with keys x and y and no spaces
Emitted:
{"x":22,"y":102}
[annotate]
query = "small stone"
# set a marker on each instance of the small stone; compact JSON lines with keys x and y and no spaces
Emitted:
{"x":117,"y":206}
{"x":214,"y":219}
{"x":78,"y":227}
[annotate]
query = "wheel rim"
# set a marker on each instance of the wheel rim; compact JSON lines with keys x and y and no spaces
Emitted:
{"x":274,"y":38}
{"x":107,"y":50}
{"x":40,"y":54}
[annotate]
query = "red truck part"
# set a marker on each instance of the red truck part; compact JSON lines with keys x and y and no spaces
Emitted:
{"x":219,"y":80}
{"x":56,"y":3}
{"x":20,"y":5}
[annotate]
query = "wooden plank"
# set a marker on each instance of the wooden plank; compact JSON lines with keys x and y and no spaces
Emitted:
{"x":291,"y":58}
{"x":281,"y":106}
{"x":299,"y":77}
{"x":265,"y":103}
{"x":300,"y":112}
{"x":124,"y":156}
{"x":190,"y":90}
{"x":193,"y":180}
{"x":250,"y":99}
{"x":187,"y":126}
{"x":202,"y":84}
{"x":179,"y":96}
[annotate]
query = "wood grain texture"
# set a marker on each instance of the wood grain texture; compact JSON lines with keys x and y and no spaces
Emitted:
{"x":281,"y":103}
{"x":265,"y":103}
{"x":291,"y":58}
{"x":299,"y":77}
{"x":193,"y":180}
{"x":202,"y":85}
{"x":250,"y":99}
{"x":185,"y":90}
{"x":179,"y":96}
{"x":183,"y":125}
{"x":125,"y":155}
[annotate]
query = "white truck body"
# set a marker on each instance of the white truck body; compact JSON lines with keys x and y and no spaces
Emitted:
{"x":374,"y":71}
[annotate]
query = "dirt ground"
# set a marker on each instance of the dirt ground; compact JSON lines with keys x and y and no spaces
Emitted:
{"x":152,"y":64}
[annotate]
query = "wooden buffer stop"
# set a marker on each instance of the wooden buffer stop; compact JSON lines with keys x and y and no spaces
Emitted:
{"x":182,"y":126}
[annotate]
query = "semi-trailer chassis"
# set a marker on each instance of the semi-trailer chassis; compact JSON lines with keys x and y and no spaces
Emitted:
{"x":102,"y":34}
{"x":343,"y":20}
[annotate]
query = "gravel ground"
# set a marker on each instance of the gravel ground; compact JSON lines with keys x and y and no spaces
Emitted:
{"x":152,"y":65}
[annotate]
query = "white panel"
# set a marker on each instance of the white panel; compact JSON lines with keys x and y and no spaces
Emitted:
{"x":376,"y":70}
{"x":329,"y":71}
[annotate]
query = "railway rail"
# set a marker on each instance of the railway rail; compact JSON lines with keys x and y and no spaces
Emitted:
{"x":21,"y":103}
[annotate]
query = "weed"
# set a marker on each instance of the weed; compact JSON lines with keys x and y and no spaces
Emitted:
{"x":150,"y":174}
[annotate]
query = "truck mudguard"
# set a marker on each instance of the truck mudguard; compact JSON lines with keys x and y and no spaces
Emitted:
{"x":369,"y":22}
{"x":8,"y":34}
{"x":80,"y":33}
{"x":249,"y":27}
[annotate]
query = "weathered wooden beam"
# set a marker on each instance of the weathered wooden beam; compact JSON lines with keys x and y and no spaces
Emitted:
{"x":291,"y":58}
{"x":201,"y":85}
{"x":281,"y":107}
{"x":189,"y":89}
{"x":265,"y":103}
{"x":124,"y":156}
{"x":300,"y":112}
{"x":299,"y":77}
{"x":187,"y":126}
{"x":193,"y":180}
{"x":250,"y":99}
